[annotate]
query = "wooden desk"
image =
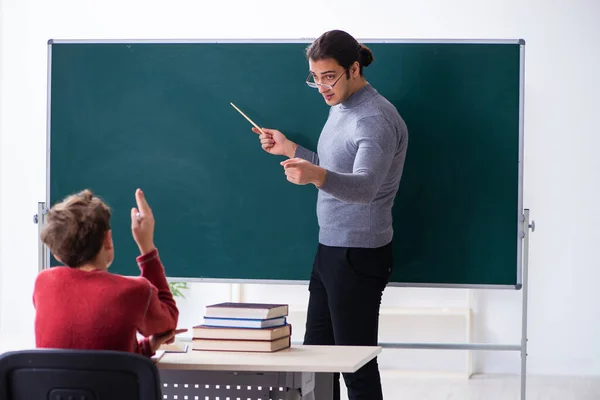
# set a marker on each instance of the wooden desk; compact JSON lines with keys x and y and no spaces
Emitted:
{"x":297,"y":373}
{"x":300,"y":372}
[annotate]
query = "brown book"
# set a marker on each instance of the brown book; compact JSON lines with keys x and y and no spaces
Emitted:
{"x":247,"y":310}
{"x":267,"y":346}
{"x":209,"y":332}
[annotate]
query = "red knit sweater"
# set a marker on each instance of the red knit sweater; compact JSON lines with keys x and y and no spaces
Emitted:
{"x":99,"y":310}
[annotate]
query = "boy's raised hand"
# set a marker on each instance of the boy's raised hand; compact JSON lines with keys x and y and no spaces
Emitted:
{"x":142,"y":226}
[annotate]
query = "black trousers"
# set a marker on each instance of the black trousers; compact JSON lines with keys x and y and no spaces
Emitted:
{"x":346,"y":286}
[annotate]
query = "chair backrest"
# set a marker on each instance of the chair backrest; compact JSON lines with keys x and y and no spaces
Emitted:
{"x":65,"y":374}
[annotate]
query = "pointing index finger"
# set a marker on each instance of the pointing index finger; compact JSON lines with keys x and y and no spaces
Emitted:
{"x":142,"y":204}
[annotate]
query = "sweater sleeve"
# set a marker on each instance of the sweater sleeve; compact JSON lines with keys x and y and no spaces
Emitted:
{"x":376,"y":140}
{"x":161,"y":310}
{"x":144,"y":348}
{"x":307,"y":155}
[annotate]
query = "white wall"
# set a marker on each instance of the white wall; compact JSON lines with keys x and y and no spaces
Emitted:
{"x":562,"y":102}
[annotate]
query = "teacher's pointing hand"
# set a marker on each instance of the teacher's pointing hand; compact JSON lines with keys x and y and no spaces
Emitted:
{"x":302,"y":172}
{"x":275,"y":142}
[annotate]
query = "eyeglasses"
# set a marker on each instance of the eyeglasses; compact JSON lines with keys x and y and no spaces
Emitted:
{"x":315,"y":85}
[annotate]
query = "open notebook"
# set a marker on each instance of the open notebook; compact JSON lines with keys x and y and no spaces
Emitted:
{"x":175,"y":347}
{"x":156,"y":357}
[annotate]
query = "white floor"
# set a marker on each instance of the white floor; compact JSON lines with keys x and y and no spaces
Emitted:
{"x":486,"y":387}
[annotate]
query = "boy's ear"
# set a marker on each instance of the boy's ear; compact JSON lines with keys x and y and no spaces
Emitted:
{"x":108,"y":241}
{"x":58,"y":259}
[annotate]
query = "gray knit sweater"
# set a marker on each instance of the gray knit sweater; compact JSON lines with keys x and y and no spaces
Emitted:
{"x":363,"y":147}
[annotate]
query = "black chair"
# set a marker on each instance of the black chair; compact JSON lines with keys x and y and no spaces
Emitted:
{"x":57,"y":374}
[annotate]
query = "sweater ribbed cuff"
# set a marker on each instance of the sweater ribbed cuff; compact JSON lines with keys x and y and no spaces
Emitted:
{"x":144,"y":258}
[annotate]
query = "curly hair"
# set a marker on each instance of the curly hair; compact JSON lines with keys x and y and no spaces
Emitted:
{"x":75,"y":228}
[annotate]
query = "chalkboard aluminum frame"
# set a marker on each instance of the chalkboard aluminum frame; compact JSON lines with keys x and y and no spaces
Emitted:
{"x":44,"y":257}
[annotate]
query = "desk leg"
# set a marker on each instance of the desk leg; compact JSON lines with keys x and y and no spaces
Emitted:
{"x":323,"y":386}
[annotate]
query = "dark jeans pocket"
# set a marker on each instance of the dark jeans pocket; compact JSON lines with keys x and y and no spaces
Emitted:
{"x":371,"y":263}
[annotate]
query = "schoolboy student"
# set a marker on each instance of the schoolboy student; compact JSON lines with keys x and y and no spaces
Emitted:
{"x":80,"y":305}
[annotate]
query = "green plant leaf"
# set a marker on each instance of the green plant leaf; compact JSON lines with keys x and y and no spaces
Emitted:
{"x":177,"y":287}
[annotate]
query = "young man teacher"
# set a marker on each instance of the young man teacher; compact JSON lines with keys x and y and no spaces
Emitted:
{"x":357,"y":168}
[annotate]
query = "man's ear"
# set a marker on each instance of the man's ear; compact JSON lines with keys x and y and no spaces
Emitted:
{"x":355,"y":69}
{"x":108,"y":241}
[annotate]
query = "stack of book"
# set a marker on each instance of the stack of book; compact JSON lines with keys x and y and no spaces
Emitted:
{"x":250,"y":327}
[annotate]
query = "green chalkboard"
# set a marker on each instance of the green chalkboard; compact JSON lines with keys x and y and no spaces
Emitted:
{"x":156,"y":115}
